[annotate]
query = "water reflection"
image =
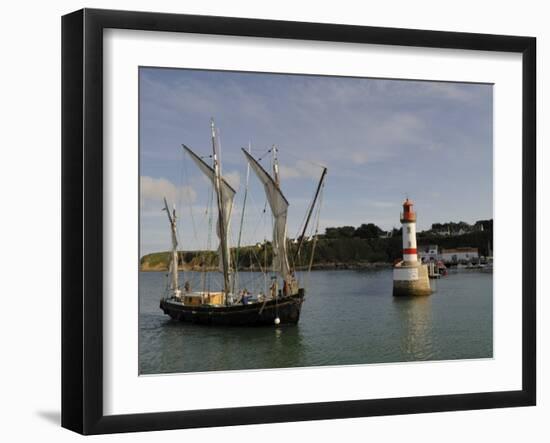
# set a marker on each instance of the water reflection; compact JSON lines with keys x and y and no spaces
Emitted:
{"x":182,"y":347}
{"x":415,"y":322}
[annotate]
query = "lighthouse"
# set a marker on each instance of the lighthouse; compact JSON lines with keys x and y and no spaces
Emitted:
{"x":408,"y":222}
{"x":410,"y":277}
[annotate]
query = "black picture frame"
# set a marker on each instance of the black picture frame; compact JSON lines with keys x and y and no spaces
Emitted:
{"x":82,"y":215}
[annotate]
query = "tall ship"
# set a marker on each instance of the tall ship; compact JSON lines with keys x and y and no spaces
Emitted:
{"x":232,"y":304}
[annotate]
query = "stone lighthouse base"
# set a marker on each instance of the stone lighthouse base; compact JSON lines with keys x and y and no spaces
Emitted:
{"x":411,"y":278}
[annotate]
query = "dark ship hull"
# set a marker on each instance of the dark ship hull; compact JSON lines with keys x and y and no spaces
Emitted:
{"x":286,"y":309}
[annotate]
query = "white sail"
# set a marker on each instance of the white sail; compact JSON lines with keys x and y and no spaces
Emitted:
{"x":227,"y":194}
{"x":279,"y":208}
{"x":174,"y":259}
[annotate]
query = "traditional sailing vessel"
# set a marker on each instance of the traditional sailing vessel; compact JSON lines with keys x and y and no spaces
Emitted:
{"x":231,"y":305}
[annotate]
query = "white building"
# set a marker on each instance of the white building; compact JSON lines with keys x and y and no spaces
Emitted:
{"x":427,"y":253}
{"x":457,"y":255}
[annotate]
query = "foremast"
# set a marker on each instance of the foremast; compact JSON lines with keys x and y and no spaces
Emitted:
{"x":174,"y":284}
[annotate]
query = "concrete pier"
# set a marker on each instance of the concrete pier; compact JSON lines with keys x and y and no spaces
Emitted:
{"x":411,"y":278}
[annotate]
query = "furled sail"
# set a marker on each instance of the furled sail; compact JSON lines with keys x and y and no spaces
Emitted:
{"x":279,"y":208}
{"x":227,"y":194}
{"x":174,"y":260}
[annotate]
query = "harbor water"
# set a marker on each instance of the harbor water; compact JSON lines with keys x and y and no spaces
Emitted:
{"x":348,"y":317}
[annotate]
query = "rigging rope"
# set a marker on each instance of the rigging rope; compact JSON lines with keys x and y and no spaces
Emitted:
{"x":315,"y":235}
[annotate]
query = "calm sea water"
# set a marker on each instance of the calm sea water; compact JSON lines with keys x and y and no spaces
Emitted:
{"x":348,"y":317}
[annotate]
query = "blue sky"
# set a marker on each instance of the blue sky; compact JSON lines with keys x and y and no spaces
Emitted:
{"x":381,"y":140}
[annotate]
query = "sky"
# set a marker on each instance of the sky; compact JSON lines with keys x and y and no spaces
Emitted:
{"x":382,"y":140}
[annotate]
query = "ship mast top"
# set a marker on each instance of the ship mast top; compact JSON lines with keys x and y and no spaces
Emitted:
{"x":275,"y":166}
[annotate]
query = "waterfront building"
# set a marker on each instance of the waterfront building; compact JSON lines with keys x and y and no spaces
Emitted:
{"x":427,"y":253}
{"x":459,"y":255}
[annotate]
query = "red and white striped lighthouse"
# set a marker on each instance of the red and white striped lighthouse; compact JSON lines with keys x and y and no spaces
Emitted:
{"x":410,"y":277}
{"x":408,"y":221}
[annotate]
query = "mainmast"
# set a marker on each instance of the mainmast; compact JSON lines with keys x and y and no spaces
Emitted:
{"x":224,"y":194}
{"x":275,"y":238}
{"x":174,"y":267}
{"x":221,"y":216}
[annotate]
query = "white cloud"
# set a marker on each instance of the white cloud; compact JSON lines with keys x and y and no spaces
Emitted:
{"x":153,"y":190}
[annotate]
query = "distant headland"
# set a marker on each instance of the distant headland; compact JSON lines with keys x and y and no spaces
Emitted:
{"x":346,"y":247}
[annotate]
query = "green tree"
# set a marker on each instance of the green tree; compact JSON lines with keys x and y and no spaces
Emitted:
{"x":347,"y":231}
{"x":369,"y":230}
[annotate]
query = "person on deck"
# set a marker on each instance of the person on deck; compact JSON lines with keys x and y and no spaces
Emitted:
{"x":273,"y":290}
{"x":245,"y":296}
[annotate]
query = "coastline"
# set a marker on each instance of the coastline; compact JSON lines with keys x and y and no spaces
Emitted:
{"x":333,"y":266}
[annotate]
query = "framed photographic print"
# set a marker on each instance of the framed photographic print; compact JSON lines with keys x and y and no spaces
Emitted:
{"x":269,"y":221}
